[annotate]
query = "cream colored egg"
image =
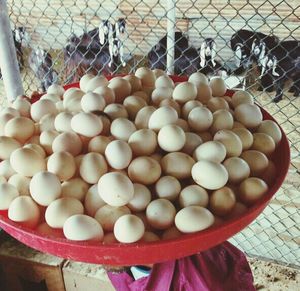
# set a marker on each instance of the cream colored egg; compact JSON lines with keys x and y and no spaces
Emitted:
{"x":106,"y":124}
{"x":147,"y":77}
{"x":2,"y":180}
{"x":84,"y":81}
{"x":185,"y":92}
{"x":237,"y":124}
{"x":122,"y":128}
{"x":107,"y":93}
{"x":171,"y":138}
{"x":272,"y":129}
{"x":141,"y":198}
{"x":160,"y":213}
{"x":72,"y":93}
{"x":80,"y":227}
{"x":6,"y":170}
{"x":263,"y":143}
{"x":21,"y":183}
{"x":251,"y":190}
{"x":231,"y":141}
{"x":213,"y":151}
{"x":24,"y":211}
{"x":170,"y":162}
{"x":35,"y":139}
{"x":217,"y":103}
{"x":56,"y":89}
{"x":193,"y":195}
{"x":73,"y":104}
{"x":53,"y":97}
{"x":129,"y":229}
{"x":92,"y":167}
{"x":171,"y":103}
{"x":19,"y":128}
{"x":144,"y":170}
{"x":107,"y":215}
{"x":27,"y":162}
{"x":118,"y":154}
{"x":257,"y":161}
{"x":245,"y":136}
{"x":86,"y":124}
{"x":74,"y":187}
{"x":218,"y":86}
{"x":248,"y":114}
{"x":158,"y":72}
{"x":4,"y":118}
{"x":209,"y":175}
{"x":115,"y":189}
{"x":97,"y":81}
{"x":270,"y":174}
{"x":92,"y":200}
{"x":133,"y":104}
{"x":92,"y":101}
{"x":47,"y":122}
{"x":8,"y":193}
{"x":142,"y":94}
{"x":109,"y":238}
{"x":238,"y":210}
{"x":192,"y":141}
{"x":157,"y":156}
{"x":23,"y":106}
{"x":62,"y":121}
{"x":198,"y":78}
{"x":41,"y":108}
{"x":150,"y":237}
{"x":222,"y":201}
{"x":44,"y":188}
{"x":98,"y":144}
{"x":10,"y":110}
{"x":238,"y":170}
{"x":121,"y":88}
{"x":61,"y":209}
{"x":204,"y":93}
{"x":193,"y":218}
{"x":222,"y":119}
{"x":164,"y":82}
{"x":241,"y":97}
{"x":116,"y":111}
{"x":160,"y":94}
{"x":183,"y":124}
{"x":143,"y":142}
{"x":45,"y":230}
{"x":143,"y":116}
{"x":7,"y":146}
{"x":167,"y":187}
{"x":46,"y":140}
{"x":135,"y":82}
{"x":60,"y":106}
{"x":161,"y":117}
{"x":171,"y":233}
{"x":67,"y":142}
{"x":200,"y":119}
{"x":188,"y":106}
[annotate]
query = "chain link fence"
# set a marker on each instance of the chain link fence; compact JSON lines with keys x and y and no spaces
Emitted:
{"x":67,"y":32}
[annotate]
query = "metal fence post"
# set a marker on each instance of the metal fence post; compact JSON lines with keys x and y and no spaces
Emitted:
{"x":171,"y":18}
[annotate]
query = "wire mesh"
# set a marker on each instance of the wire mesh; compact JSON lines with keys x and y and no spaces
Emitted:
{"x":61,"y":29}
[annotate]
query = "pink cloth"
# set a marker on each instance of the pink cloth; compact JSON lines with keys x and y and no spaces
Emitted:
{"x":222,"y":268}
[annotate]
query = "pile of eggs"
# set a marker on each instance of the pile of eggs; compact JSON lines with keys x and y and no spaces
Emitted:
{"x":134,"y":158}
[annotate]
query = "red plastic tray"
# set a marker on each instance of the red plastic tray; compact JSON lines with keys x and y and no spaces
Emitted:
{"x":146,"y":253}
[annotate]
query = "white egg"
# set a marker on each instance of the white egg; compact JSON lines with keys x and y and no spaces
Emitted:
{"x":93,"y":201}
{"x":171,"y":138}
{"x":86,"y":124}
{"x":8,"y":193}
{"x":193,"y":195}
{"x":75,"y":187}
{"x":141,"y":198}
{"x":213,"y":151}
{"x":118,"y":154}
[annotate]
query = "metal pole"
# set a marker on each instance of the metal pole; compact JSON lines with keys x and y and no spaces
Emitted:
{"x":8,"y":59}
{"x":171,"y":24}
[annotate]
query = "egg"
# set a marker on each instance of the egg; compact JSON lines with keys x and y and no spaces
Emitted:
{"x":20,"y":160}
{"x":150,"y":237}
{"x":121,"y":88}
{"x":209,"y":175}
{"x":115,"y":189}
{"x":107,"y":93}
{"x":238,"y":170}
{"x":44,"y":188}
{"x":146,"y":76}
{"x":218,"y":86}
{"x":164,"y":81}
{"x":170,"y":162}
{"x":67,"y":142}
{"x":263,"y":143}
{"x":24,"y":211}
{"x":171,"y":103}
{"x":257,"y":161}
{"x":109,"y":238}
{"x":269,"y":174}
{"x":143,"y":142}
{"x":161,"y":117}
{"x":159,"y":72}
{"x":231,"y":141}
{"x":11,"y":111}
{"x":72,"y":93}
{"x":129,"y":229}
{"x":98,"y":144}
{"x":204,"y":93}
{"x":160,"y":94}
{"x":95,"y":82}
{"x":133,"y":104}
{"x":56,"y":89}
{"x":61,"y":209}
{"x":193,"y":195}
{"x":8,"y":193}
{"x":46,"y":140}
{"x":237,"y":211}
{"x":188,"y":106}
{"x":122,"y":128}
{"x":248,"y":114}
{"x":222,"y":119}
{"x":84,"y":81}
{"x":141,"y":198}
{"x":251,"y":190}
{"x":107,"y":215}
{"x":7,"y":146}
{"x":271,"y":128}
{"x":241,"y":97}
{"x":21,"y":183}
{"x":118,"y":154}
{"x":86,"y":124}
{"x":213,"y":151}
{"x":92,"y":101}
{"x":93,"y":201}
{"x":144,"y":170}
{"x":135,"y":82}
{"x":200,"y":119}
{"x":73,"y":103}
{"x":75,"y":188}
{"x":167,"y":187}
{"x":193,"y":218}
{"x":4,"y":118}
{"x":222,"y":201}
{"x":116,"y":111}
{"x":245,"y":136}
{"x":160,"y":213}
{"x":41,"y":108}
{"x":6,"y":170}
{"x":185,"y":91}
{"x":192,"y":141}
{"x":183,"y":124}
{"x":23,"y":106}
{"x":53,"y":97}
{"x":35,"y":139}
{"x":45,"y":230}
{"x":171,"y":138}
{"x":62,"y":121}
{"x":171,"y":233}
{"x":142,"y":117}
{"x":47,"y":122}
{"x":217,"y":103}
{"x":198,"y":78}
{"x":106,"y":124}
{"x":142,"y":94}
{"x":80,"y":227}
